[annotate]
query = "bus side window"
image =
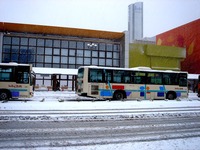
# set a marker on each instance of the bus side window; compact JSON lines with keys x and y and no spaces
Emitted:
{"x":95,"y":75}
{"x":166,"y":80}
{"x":6,"y":74}
{"x":183,"y":82}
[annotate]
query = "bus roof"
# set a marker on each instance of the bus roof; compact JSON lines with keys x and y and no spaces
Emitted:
{"x":146,"y":69}
{"x":14,"y":64}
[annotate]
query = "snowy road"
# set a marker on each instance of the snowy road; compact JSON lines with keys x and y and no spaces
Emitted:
{"x":31,"y":134}
{"x":55,"y":120}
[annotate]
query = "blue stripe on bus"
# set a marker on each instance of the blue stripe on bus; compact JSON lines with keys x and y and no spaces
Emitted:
{"x":160,"y":93}
{"x":18,"y":90}
{"x":15,"y":92}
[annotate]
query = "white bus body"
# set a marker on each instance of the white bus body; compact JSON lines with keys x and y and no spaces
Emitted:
{"x":16,"y":81}
{"x":131,"y":83}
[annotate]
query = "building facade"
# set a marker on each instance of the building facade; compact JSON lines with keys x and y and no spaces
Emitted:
{"x":58,"y":47}
{"x":135,"y":21}
{"x":188,"y":37}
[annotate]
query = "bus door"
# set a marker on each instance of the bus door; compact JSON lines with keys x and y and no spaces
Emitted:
{"x":95,"y":83}
{"x":154,"y":86}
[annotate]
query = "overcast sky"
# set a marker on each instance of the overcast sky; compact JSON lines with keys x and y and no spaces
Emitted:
{"x":109,"y":15}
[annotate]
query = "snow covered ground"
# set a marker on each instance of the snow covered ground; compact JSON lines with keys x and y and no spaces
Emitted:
{"x":66,"y":100}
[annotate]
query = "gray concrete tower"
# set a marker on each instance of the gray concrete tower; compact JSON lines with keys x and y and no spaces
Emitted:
{"x":135,"y":21}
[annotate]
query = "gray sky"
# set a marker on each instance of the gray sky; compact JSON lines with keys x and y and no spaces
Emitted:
{"x":109,"y":15}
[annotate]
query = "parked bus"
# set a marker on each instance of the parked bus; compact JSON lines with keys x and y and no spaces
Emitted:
{"x":16,"y":81}
{"x":131,"y":83}
{"x":198,"y":86}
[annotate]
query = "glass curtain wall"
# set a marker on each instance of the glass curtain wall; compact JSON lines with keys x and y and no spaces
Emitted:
{"x":54,"y":53}
{"x":59,"y":53}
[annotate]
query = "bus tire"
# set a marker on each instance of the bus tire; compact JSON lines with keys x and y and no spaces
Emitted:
{"x":119,"y":95}
{"x":4,"y":95}
{"x":171,"y":95}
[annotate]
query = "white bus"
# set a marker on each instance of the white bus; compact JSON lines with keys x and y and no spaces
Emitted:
{"x":131,"y":83}
{"x":16,"y":81}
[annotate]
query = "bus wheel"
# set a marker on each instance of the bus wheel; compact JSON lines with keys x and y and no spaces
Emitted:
{"x":171,"y":95}
{"x":4,"y":95}
{"x":118,"y":95}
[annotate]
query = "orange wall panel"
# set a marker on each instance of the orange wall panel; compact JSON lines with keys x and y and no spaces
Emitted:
{"x":187,"y":36}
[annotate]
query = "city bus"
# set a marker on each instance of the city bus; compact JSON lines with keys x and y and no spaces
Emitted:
{"x":131,"y":83}
{"x":16,"y":81}
{"x":198,"y":86}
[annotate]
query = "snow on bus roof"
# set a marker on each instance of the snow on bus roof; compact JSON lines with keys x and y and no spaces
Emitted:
{"x":14,"y":64}
{"x":148,"y":69}
{"x":64,"y":71}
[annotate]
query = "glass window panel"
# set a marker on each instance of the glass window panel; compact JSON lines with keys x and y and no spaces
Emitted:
{"x":71,"y":60}
{"x":7,"y":40}
{"x":48,"y":43}
{"x":48,"y":65}
{"x":71,"y":52}
{"x":48,"y":51}
{"x":102,"y":54}
{"x":95,"y":75}
{"x":15,"y":49}
{"x":32,"y":42}
{"x":108,"y":62}
{"x":94,"y":61}
{"x":109,"y":54}
{"x":39,"y":64}
{"x":23,"y":58}
{"x":24,"y":41}
{"x":56,"y":65}
{"x":116,"y":63}
{"x":6,"y":48}
{"x":80,"y":45}
{"x":109,"y":47}
{"x":71,"y":66}
{"x":102,"y":46}
{"x":6,"y":58}
{"x":48,"y":59}
{"x":87,"y":61}
{"x":56,"y":59}
{"x":102,"y":62}
{"x":15,"y":41}
{"x":14,"y":57}
{"x":94,"y":54}
{"x":154,"y":78}
{"x":115,"y":55}
{"x":117,"y":76}
{"x":32,"y":50}
{"x":31,"y":58}
{"x":116,"y":47}
{"x":87,"y":45}
{"x":79,"y":52}
{"x":40,"y":58}
{"x":64,"y":52}
{"x":87,"y":53}
{"x":56,"y":51}
{"x":72,"y":44}
{"x":40,"y":50}
{"x":79,"y":60}
{"x":64,"y":59}
{"x":40,"y":42}
{"x":64,"y":44}
{"x":23,"y":50}
{"x":56,"y":43}
{"x":63,"y":66}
